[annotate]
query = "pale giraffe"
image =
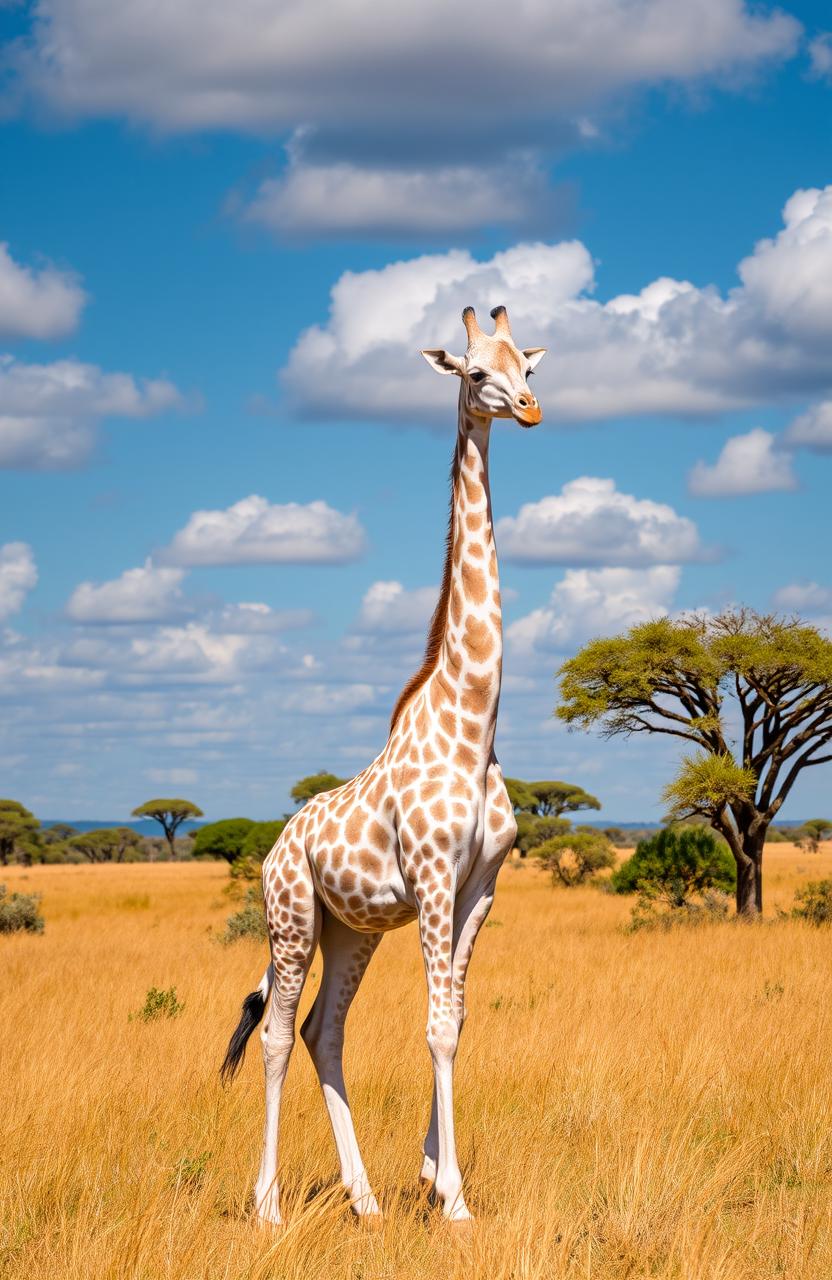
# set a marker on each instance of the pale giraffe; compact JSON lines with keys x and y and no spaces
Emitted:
{"x":421,"y":833}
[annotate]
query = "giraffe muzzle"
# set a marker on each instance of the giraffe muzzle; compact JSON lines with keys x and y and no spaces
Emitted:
{"x":526,"y":410}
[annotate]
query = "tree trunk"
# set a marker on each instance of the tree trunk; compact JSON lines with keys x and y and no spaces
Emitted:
{"x":750,"y":876}
{"x":170,"y":836}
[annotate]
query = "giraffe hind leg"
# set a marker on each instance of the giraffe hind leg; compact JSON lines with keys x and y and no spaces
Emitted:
{"x":346,"y":955}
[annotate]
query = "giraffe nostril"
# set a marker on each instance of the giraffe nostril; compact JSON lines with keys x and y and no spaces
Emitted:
{"x":522,"y":402}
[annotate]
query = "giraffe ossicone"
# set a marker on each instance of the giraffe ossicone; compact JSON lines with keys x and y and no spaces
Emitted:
{"x":421,"y":833}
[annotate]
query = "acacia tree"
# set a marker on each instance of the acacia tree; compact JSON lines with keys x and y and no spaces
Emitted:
{"x":752,"y":691}
{"x":305,"y":788}
{"x":548,"y":799}
{"x":19,"y":831}
{"x":170,"y":814}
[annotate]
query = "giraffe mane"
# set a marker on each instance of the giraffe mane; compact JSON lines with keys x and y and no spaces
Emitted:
{"x":438,"y":623}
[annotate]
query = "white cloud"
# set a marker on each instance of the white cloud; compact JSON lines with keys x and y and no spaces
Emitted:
{"x":250,"y":618}
{"x":205,"y":64}
{"x":253,"y":531}
{"x":175,"y":777}
{"x":673,"y":348}
{"x":812,"y":429}
{"x":751,"y":463}
{"x":18,"y":575}
{"x":820,"y":55}
{"x":389,"y":609}
{"x":349,"y":199}
{"x":590,"y":522}
{"x":150,"y":593}
{"x":49,"y":412}
{"x":810,"y":597}
{"x":590,"y":602}
{"x":37,"y":304}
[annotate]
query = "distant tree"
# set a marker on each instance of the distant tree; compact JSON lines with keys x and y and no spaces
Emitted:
{"x":674,"y":677}
{"x":533,"y":831}
{"x":314,"y":784}
{"x":261,"y":838}
{"x":575,"y":857}
{"x":224,"y":839}
{"x":107,"y":844}
{"x":58,"y":833}
{"x":170,"y":814}
{"x":675,"y":864}
{"x":19,"y":832}
{"x":812,"y":832}
{"x":549,"y":799}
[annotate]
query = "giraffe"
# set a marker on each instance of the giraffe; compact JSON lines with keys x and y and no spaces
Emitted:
{"x":420,"y":834}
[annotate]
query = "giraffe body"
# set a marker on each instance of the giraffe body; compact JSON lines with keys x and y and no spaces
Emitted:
{"x":421,"y":833}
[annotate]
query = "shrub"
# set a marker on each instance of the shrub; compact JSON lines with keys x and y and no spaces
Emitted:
{"x":222,"y":839}
{"x":20,"y":912}
{"x":159,"y":1004}
{"x":533,"y":831}
{"x":249,"y":921}
{"x":712,"y":909}
{"x":813,"y":902}
{"x":675,"y":864}
{"x":261,"y":838}
{"x":573,"y":859}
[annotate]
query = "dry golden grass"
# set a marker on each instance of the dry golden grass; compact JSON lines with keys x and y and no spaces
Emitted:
{"x":648,"y":1105}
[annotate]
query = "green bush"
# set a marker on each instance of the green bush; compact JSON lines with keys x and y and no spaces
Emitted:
{"x":20,"y":912}
{"x":675,"y":864}
{"x":249,"y":921}
{"x":575,"y":858}
{"x":712,"y":909}
{"x":533,"y":831}
{"x":159,"y":1004}
{"x":261,"y":838}
{"x":223,"y":839}
{"x":813,"y":902}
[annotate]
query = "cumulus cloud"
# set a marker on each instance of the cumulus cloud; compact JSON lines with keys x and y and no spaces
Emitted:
{"x":351,"y":199}
{"x":18,"y":576}
{"x":673,"y":348}
{"x":591,"y":522}
{"x":37,"y":304}
{"x":809,"y":597}
{"x":204,"y":64}
{"x":750,"y":463}
{"x":49,"y":412}
{"x":589,"y":602}
{"x":151,"y":593}
{"x":820,"y":56}
{"x":389,"y":609}
{"x":254,"y":531}
{"x":812,"y":429}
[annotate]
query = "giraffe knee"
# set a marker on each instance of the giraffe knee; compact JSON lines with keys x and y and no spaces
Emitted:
{"x":443,"y":1038}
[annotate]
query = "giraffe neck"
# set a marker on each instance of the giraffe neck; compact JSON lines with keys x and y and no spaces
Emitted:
{"x":471,"y":655}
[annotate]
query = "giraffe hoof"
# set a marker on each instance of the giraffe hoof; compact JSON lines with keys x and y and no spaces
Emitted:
{"x":370,"y":1221}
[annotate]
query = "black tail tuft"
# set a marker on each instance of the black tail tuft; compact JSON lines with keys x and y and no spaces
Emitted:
{"x":254,"y":1006}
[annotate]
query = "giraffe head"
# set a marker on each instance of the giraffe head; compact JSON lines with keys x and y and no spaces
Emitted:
{"x":494,"y":371}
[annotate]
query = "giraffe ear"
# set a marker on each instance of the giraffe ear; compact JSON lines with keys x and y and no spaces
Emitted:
{"x":534,"y":355}
{"x":442,"y":361}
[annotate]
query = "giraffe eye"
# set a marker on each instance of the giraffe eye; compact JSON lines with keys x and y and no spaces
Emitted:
{"x":477,"y":376}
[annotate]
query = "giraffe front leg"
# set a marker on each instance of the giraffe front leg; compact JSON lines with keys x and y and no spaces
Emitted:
{"x":470,"y":912}
{"x":435,"y":900}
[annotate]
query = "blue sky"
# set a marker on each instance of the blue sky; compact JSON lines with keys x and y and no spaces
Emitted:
{"x":227,"y":234}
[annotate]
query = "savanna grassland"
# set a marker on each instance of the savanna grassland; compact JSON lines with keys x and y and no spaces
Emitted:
{"x":655,"y":1104}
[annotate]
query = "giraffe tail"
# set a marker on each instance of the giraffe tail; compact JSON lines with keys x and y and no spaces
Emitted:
{"x":254,"y":1006}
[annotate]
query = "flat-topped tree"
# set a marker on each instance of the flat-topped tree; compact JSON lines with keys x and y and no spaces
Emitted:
{"x":19,"y":831}
{"x":170,"y":814}
{"x":752,"y":691}
{"x":305,"y":788}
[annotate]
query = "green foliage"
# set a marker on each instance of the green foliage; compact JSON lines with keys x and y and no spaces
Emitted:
{"x":57,"y":833}
{"x":224,"y":839}
{"x":108,"y":844}
{"x":775,"y":835}
{"x":314,"y":784}
{"x":533,"y":831}
{"x":19,"y":833}
{"x":548,"y":799}
{"x":20,"y":912}
{"x":575,"y":858}
{"x":249,"y":921}
{"x":813,"y":903}
{"x":261,"y":838}
{"x":674,"y":865}
{"x":707,"y":784}
{"x":159,"y":1004}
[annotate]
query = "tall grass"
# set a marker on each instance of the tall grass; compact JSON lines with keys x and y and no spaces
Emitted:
{"x":648,"y":1105}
